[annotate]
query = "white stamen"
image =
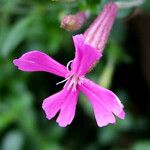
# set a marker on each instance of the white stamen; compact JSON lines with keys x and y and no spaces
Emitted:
{"x":71,"y":83}
{"x":68,"y":64}
{"x":63,"y":80}
{"x":73,"y":79}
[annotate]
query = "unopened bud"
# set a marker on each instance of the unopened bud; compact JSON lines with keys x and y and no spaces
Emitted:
{"x":73,"y":22}
{"x":97,"y":34}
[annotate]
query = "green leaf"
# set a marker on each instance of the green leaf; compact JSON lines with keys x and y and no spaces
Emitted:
{"x":8,"y":6}
{"x":13,"y":141}
{"x":108,"y":135}
{"x":85,"y":104}
{"x":116,"y":53}
{"x":125,"y":12}
{"x":13,"y":107}
{"x":8,"y":114}
{"x":15,"y":36}
{"x":141,"y":145}
{"x":107,"y":74}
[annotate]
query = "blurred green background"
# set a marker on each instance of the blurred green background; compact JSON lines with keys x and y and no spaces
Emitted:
{"x":125,"y":69}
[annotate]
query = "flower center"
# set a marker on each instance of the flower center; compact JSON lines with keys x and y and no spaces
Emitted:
{"x":73,"y":81}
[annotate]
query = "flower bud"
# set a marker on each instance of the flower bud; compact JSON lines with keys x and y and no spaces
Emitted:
{"x":73,"y":22}
{"x":97,"y":34}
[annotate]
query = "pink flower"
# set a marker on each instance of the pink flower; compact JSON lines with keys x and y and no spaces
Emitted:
{"x":104,"y":102}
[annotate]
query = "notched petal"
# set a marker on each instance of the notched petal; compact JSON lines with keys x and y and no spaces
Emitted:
{"x":64,"y":101}
{"x":68,"y":109}
{"x":105,"y":103}
{"x":85,"y":56}
{"x":39,"y":61}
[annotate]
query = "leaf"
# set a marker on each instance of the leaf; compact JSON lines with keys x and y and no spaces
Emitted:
{"x":86,"y":105}
{"x":15,"y":36}
{"x":141,"y":145}
{"x":13,"y":141}
{"x":107,"y":74}
{"x":108,"y":135}
{"x":116,"y":53}
{"x":118,"y":32}
{"x":8,"y":6}
{"x":8,"y":114}
{"x":13,"y":108}
{"x":125,"y":12}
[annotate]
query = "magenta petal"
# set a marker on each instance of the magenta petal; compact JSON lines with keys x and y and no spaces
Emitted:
{"x":39,"y":61}
{"x":52,"y":104}
{"x":65,"y":101}
{"x":121,"y":114}
{"x":102,"y":115}
{"x":103,"y":101}
{"x":78,"y":42}
{"x":85,"y":56}
{"x":68,"y":109}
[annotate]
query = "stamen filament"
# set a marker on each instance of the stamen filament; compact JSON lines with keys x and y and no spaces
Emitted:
{"x":63,"y":80}
{"x":72,"y":79}
{"x":68,"y":64}
{"x":70,"y":84}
